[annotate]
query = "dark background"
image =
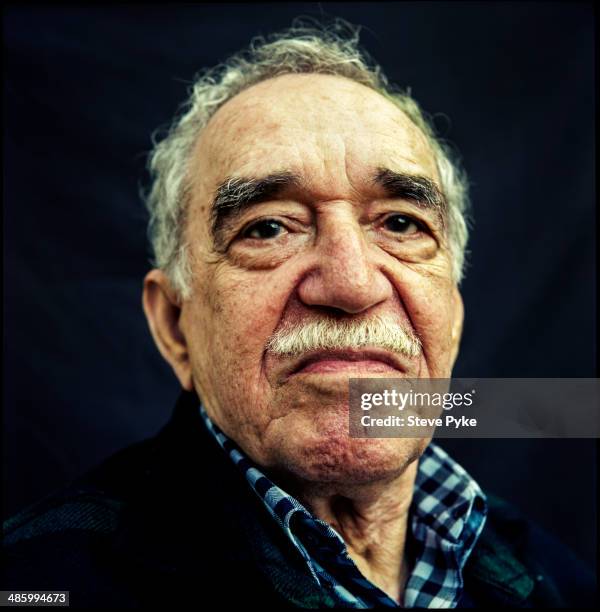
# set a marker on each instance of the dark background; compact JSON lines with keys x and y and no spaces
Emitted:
{"x":511,"y":85}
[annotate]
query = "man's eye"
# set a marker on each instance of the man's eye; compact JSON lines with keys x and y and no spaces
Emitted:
{"x":401,"y":224}
{"x":263,"y":230}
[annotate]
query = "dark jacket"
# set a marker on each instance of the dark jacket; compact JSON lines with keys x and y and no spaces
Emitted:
{"x":171,"y":521}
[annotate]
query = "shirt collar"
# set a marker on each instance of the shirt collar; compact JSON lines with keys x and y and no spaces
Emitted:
{"x":448,"y":513}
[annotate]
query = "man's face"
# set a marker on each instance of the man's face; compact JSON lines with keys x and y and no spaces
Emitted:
{"x":328,"y":239}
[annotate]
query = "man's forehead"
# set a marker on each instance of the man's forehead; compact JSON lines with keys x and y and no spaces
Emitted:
{"x":329,"y":130}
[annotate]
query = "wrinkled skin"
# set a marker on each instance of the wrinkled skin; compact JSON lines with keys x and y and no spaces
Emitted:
{"x":332,"y":255}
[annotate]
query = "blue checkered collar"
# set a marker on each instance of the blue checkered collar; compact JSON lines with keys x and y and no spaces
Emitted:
{"x":448,"y":513}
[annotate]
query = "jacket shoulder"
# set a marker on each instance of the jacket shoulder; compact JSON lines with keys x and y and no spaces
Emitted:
{"x":517,"y":563}
{"x":65,"y":540}
{"x":90,"y":503}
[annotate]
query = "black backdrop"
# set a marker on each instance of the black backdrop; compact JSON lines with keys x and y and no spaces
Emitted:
{"x":511,"y":84}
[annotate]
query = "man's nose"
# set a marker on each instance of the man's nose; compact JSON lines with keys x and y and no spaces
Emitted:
{"x":345,"y":276}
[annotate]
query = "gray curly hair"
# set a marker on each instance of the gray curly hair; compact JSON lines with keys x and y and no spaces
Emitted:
{"x":302,"y":48}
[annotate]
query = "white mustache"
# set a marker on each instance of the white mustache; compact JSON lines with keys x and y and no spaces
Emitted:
{"x":333,"y":334}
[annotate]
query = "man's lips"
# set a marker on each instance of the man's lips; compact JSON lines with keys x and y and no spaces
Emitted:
{"x":347,"y":360}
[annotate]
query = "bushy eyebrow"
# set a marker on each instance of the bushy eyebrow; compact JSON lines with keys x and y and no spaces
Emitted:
{"x":420,"y":189}
{"x":235,"y":194}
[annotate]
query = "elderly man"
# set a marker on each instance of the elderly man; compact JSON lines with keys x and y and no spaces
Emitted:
{"x":308,"y":227}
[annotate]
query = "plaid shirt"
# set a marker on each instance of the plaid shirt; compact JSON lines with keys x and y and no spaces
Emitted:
{"x":448,"y":512}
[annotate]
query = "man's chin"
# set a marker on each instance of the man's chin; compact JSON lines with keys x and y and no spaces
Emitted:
{"x":335,"y":457}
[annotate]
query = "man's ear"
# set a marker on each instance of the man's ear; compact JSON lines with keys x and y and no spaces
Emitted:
{"x":163,"y":310}
{"x":457,"y":322}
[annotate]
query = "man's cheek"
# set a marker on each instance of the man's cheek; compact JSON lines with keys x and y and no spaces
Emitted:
{"x":250,"y":302}
{"x":434,"y":328}
{"x":432,"y":320}
{"x":246,"y":324}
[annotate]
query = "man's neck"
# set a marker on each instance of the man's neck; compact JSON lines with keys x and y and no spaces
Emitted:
{"x":372,"y":520}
